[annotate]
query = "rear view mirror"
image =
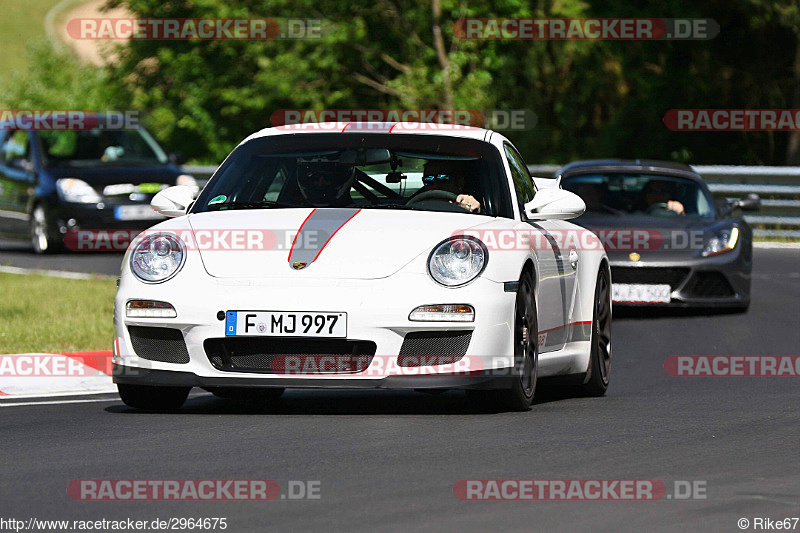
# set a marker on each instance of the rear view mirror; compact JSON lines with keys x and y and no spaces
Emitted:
{"x":174,"y":201}
{"x":21,"y":164}
{"x":176,"y":158}
{"x":370,"y":156}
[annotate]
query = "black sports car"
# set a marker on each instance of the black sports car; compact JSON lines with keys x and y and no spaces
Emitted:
{"x":669,"y":242}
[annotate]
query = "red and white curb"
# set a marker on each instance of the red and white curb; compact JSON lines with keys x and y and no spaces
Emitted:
{"x":40,"y":375}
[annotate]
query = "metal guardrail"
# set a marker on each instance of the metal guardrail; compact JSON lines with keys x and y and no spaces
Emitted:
{"x":779,"y":188}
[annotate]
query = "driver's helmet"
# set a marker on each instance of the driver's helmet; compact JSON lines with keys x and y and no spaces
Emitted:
{"x":657,"y":190}
{"x":324,"y":184}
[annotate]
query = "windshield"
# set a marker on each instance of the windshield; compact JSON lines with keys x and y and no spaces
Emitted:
{"x":615,"y":194}
{"x":373,"y":171}
{"x":99,"y":148}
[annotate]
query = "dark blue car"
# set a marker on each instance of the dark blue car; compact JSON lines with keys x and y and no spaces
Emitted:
{"x":52,"y":182}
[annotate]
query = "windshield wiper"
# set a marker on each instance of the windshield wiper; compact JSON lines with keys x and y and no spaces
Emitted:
{"x":248,"y":205}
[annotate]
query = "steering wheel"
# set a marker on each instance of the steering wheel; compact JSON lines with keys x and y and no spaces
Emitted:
{"x":660,"y":206}
{"x":442,"y":196}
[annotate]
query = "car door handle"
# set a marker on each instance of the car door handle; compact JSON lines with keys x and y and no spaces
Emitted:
{"x":573,"y":258}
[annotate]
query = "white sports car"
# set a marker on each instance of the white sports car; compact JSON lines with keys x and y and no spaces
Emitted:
{"x":386,"y":256}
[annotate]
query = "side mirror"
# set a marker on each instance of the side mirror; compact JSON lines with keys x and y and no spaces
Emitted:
{"x":174,"y":201}
{"x":555,"y":204}
{"x":751,"y":202}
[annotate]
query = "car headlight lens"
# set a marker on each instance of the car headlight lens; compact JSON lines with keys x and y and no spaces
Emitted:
{"x":724,"y":241}
{"x":457,"y":261}
{"x":157,"y":257}
{"x":75,"y":190}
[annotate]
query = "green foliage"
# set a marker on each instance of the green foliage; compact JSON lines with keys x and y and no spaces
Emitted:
{"x":58,"y":80}
{"x":592,"y":98}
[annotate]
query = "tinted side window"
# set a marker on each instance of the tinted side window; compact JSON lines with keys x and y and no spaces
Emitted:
{"x":519,"y":174}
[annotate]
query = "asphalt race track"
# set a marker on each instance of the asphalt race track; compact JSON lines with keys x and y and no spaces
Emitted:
{"x":388,"y":461}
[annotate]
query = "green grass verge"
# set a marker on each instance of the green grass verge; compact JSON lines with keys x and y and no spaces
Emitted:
{"x":44,"y":314}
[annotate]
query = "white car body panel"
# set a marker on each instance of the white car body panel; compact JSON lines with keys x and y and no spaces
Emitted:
{"x":375,"y":270}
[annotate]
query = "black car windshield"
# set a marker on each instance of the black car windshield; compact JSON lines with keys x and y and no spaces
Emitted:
{"x":369,"y":171}
{"x":99,"y":148}
{"x":651,"y":195}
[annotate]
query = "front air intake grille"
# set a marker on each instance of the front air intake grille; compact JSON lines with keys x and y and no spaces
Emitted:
{"x":276,"y":355}
{"x":427,"y":348}
{"x":159,"y":344}
{"x":673,"y":276}
{"x":709,"y":285}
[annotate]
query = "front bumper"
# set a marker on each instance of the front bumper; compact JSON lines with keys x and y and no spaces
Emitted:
{"x":497,"y":379}
{"x":377,"y":311}
{"x":718,"y":281}
{"x":66,"y":217}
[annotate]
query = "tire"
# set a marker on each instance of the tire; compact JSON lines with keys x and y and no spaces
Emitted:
{"x":153,"y":398}
{"x":41,"y":238}
{"x":247,"y":395}
{"x":519,"y":396}
{"x":599,"y":371}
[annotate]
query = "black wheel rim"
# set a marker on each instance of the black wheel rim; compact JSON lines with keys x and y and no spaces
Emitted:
{"x":602,"y":325}
{"x":525,"y":337}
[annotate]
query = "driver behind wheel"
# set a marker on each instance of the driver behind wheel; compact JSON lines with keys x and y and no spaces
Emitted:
{"x":450,"y":176}
{"x":325,"y":184}
{"x":657,"y":196}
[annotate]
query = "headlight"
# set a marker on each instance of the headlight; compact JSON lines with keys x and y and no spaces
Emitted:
{"x":157,"y":257}
{"x":457,"y":261}
{"x":75,"y":190}
{"x":724,"y":241}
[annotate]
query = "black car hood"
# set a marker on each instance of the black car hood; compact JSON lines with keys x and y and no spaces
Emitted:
{"x":109,"y":175}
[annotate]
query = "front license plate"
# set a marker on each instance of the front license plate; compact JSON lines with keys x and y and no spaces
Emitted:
{"x":136,"y":212}
{"x":635,"y":293}
{"x":286,"y":324}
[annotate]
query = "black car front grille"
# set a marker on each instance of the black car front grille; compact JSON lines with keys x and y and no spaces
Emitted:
{"x":673,"y":276}
{"x":286,"y":355}
{"x":159,"y":344}
{"x":709,"y":285}
{"x":427,"y":348}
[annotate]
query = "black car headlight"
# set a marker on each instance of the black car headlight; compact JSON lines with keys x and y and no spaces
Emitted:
{"x":457,"y":260}
{"x":157,"y":257}
{"x":723,"y":241}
